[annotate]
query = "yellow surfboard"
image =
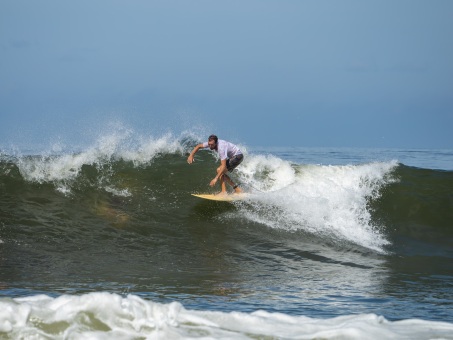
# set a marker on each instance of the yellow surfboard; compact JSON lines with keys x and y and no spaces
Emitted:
{"x":220,"y":197}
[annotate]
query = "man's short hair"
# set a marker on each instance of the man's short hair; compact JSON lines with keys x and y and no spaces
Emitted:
{"x":213,"y":137}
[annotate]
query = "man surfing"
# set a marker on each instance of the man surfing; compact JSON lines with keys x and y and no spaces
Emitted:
{"x":230,"y":157}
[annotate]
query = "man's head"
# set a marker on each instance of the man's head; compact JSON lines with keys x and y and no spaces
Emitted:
{"x":212,"y":142}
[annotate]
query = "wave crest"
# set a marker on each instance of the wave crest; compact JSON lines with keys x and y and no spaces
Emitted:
{"x":62,"y":169}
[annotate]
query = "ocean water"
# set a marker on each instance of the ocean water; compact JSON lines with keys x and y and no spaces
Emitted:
{"x":106,"y":242}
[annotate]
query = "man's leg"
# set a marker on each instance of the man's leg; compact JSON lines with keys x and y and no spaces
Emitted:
{"x":222,"y":182}
{"x":225,"y":178}
{"x":231,"y":165}
{"x":223,"y":185}
{"x":230,"y":182}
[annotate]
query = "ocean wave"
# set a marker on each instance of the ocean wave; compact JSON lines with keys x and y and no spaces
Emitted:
{"x":368,"y":205}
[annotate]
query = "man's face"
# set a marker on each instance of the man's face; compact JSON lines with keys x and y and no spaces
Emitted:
{"x":212,"y":144}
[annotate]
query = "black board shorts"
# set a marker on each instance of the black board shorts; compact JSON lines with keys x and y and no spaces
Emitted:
{"x":234,"y":161}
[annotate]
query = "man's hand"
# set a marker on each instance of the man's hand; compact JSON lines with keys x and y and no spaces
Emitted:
{"x":213,"y":182}
{"x":190,"y":159}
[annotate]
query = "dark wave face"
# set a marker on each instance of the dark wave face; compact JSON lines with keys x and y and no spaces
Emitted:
{"x":121,"y":218}
{"x":418,"y":207}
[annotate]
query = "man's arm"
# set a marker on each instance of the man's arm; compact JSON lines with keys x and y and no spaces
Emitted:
{"x":220,"y":171}
{"x":194,"y":151}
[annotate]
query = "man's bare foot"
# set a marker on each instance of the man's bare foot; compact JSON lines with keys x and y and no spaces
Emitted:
{"x":237,"y":190}
{"x":222,"y":193}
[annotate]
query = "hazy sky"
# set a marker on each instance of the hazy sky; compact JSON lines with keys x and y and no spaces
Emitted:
{"x":280,"y":73}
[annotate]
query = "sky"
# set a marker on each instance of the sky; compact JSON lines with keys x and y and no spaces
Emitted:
{"x":338,"y":73}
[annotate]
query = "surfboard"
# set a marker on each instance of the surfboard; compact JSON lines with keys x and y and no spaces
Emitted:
{"x":223,"y":198}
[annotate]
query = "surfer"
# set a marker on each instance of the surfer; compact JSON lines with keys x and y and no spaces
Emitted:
{"x":230,"y":157}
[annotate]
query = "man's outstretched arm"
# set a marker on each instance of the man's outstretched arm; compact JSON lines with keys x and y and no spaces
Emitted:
{"x":194,"y":151}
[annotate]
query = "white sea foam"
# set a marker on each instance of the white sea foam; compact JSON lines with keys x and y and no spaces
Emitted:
{"x":330,"y":201}
{"x":110,"y":316}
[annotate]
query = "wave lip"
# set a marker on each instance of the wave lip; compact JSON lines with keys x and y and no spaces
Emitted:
{"x":105,"y":315}
{"x":63,"y":169}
